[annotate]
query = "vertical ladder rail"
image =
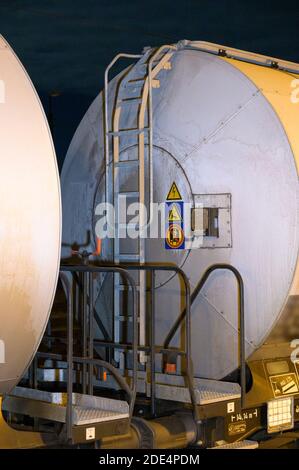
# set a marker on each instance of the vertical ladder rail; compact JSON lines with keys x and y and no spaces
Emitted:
{"x":142,"y":219}
{"x":116,"y":118}
{"x":118,"y":356}
{"x":151,"y":75}
{"x":146,"y":100}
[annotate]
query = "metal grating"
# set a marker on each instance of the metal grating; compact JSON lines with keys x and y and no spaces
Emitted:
{"x":83,"y":416}
{"x":206,"y":391}
{"x":238,"y":445}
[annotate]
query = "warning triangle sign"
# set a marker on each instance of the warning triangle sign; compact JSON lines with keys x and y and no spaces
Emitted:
{"x":174,"y":214}
{"x":174,"y":194}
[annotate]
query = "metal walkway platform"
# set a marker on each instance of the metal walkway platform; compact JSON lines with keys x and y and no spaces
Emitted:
{"x":246,"y":444}
{"x":172,"y":387}
{"x":52,"y":406}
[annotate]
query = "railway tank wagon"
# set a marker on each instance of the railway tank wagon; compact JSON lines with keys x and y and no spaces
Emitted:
{"x":192,"y":151}
{"x":222,"y":130}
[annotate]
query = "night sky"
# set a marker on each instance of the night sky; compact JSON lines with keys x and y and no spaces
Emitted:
{"x":66,"y":44}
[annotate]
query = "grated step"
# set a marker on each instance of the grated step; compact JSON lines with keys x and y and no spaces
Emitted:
{"x":172,"y":387}
{"x":87,"y":409}
{"x":83,"y":415}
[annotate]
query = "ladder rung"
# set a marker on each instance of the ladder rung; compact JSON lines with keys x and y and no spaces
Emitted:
{"x":122,"y":318}
{"x":145,"y":64}
{"x":126,"y":101}
{"x":127,"y":225}
{"x":128,"y":131}
{"x":140,"y":81}
{"x":126,"y":162}
{"x":166,"y":66}
{"x":129,"y":193}
{"x":122,"y":287}
{"x":128,"y":257}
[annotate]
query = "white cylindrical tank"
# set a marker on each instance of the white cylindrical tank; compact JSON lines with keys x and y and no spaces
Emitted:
{"x":30,"y":222}
{"x":224,"y":130}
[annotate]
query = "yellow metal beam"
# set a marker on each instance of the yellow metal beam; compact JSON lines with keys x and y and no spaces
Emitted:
{"x":241,"y":55}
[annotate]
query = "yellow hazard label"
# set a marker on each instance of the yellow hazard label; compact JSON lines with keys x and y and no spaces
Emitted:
{"x":175,"y":236}
{"x":174,"y":214}
{"x":284,"y":384}
{"x":174,"y":194}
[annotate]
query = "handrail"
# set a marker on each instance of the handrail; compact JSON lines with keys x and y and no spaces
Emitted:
{"x":91,"y":361}
{"x":241,"y":317}
{"x":96,"y":317}
{"x":151,"y":75}
{"x":152,"y":349}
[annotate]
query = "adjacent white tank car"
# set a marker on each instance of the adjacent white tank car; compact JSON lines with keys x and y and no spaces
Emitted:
{"x":30,"y":222}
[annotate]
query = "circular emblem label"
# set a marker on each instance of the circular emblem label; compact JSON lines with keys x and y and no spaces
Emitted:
{"x":175,"y":236}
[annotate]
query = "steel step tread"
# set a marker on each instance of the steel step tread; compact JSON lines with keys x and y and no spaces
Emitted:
{"x":206,"y":391}
{"x":246,"y":444}
{"x":86,"y":409}
{"x":82,"y":416}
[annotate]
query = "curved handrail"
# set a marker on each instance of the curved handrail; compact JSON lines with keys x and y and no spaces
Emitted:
{"x":150,"y":71}
{"x":71,"y":359}
{"x":241,"y":330}
{"x":189,"y":363}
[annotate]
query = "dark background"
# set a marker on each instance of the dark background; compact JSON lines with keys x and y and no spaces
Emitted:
{"x":66,"y":44}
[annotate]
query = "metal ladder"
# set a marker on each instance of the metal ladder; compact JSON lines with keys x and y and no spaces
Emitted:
{"x":134,"y":90}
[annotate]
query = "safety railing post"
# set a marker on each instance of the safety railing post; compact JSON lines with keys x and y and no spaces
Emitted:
{"x":70,"y":363}
{"x":152,"y":345}
{"x":91,"y":333}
